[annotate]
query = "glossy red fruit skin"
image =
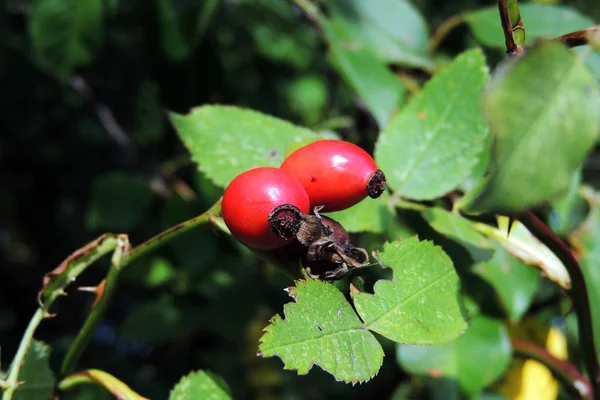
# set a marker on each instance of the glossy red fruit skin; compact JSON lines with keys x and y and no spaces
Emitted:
{"x":334,"y":173}
{"x":249,"y":199}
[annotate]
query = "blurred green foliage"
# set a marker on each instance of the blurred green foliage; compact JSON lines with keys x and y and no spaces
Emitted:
{"x":87,"y":148}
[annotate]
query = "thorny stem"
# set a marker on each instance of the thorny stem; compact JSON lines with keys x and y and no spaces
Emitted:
{"x":579,"y":294}
{"x":11,"y":383}
{"x":88,"y":328}
{"x":566,"y":372}
{"x":514,"y":33}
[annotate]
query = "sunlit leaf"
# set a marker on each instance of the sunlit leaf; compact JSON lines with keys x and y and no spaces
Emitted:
{"x":431,"y":146}
{"x":225,"y":141}
{"x":527,"y":248}
{"x":544,"y":112}
{"x":393,"y":30}
{"x":321,"y":328}
{"x":201,"y":385}
{"x":374,"y":83}
{"x":423,"y":303}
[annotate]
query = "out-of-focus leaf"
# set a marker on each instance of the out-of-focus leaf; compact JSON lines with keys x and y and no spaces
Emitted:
{"x":160,"y":272}
{"x":544,"y":111}
{"x":423,"y":304}
{"x":370,"y":215}
{"x":475,"y":360}
{"x":374,"y":83}
{"x":278,"y":34}
{"x":65,"y":35}
{"x":568,"y":210}
{"x":36,"y":375}
{"x":431,"y":146}
{"x":195,"y":249}
{"x":527,"y":248}
{"x":586,"y":238}
{"x":460,"y":229}
{"x":515,"y":283}
{"x":174,"y":44}
{"x":119,"y":202}
{"x":150,"y":124}
{"x":321,"y":328}
{"x":393,"y":30}
{"x":225,"y":141}
{"x":156,"y":321}
{"x":307,"y":97}
{"x":201,"y":385}
{"x":95,"y":376}
{"x":540,"y":20}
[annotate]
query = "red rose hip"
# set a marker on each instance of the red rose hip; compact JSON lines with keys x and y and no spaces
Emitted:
{"x":335,"y":174}
{"x":249,"y":199}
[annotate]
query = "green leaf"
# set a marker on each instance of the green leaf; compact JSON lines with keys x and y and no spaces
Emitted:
{"x":321,"y":328}
{"x":423,"y":304}
{"x":460,"y":229}
{"x":201,"y":385}
{"x":119,"y":202}
{"x":586,"y":238}
{"x":431,"y":146}
{"x":374,"y":83}
{"x":274,"y":28}
{"x":475,"y":360}
{"x":527,"y":248}
{"x":540,"y":21}
{"x":514,"y":283}
{"x":568,"y":210}
{"x":36,"y":374}
{"x":156,"y":321}
{"x":65,"y":34}
{"x":367,"y":216}
{"x":544,"y":111}
{"x":173,"y":42}
{"x":225,"y":141}
{"x":393,"y":30}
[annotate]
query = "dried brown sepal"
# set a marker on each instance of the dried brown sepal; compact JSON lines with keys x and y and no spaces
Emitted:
{"x":285,"y":220}
{"x":376,"y":184}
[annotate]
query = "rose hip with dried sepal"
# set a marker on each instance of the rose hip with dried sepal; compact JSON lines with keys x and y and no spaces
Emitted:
{"x":328,"y":253}
{"x":249,"y":199}
{"x":336,"y":174}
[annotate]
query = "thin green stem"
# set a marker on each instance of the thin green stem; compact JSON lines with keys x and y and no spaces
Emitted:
{"x":567,"y":373}
{"x":443,"y":30}
{"x":13,"y":375}
{"x":121,"y":259}
{"x":578,"y":293}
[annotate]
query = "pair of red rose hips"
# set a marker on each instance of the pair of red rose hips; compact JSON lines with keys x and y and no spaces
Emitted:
{"x":329,"y":175}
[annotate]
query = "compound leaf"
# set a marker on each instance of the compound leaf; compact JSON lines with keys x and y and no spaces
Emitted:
{"x":423,"y":304}
{"x":321,"y":328}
